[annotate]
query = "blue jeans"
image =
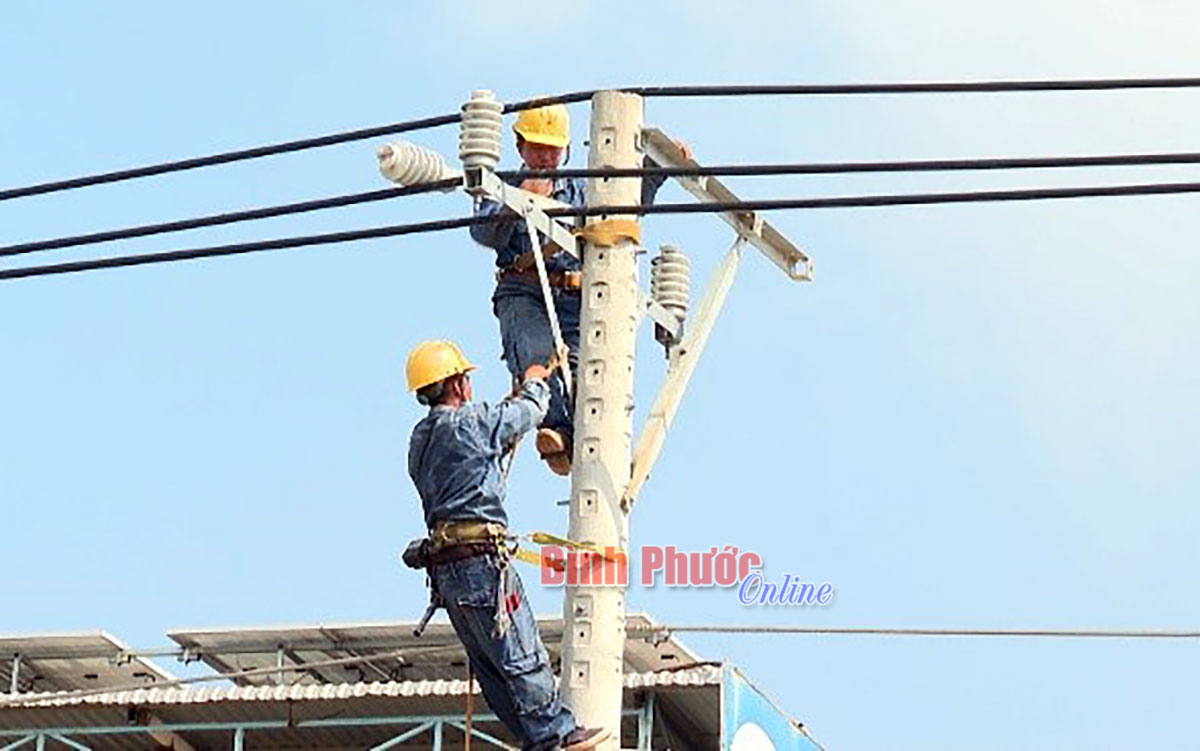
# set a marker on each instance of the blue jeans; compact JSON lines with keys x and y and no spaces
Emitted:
{"x":526,"y":339}
{"x":513,"y":669}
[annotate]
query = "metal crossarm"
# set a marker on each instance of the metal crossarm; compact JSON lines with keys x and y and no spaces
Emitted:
{"x":531,"y":206}
{"x":748,"y":224}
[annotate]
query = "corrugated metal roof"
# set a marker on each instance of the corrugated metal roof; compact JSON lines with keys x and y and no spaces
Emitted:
{"x":697,"y":676}
{"x":688,"y":698}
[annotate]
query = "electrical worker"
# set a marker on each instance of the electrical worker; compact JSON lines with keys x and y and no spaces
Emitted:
{"x":454,"y":459}
{"x":543,"y":134}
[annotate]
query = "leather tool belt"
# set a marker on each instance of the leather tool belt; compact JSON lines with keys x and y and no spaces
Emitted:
{"x":454,"y":541}
{"x":460,"y":552}
{"x":524,"y":270}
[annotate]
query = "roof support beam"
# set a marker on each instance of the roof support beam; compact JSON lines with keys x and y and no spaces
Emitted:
{"x":403,"y":737}
{"x":15,"y":685}
{"x":477,"y":733}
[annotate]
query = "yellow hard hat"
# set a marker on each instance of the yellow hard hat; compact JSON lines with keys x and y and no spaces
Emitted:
{"x":430,"y":362}
{"x":550,"y":125}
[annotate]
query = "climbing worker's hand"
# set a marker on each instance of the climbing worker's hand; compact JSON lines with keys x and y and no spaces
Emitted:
{"x":537,"y":372}
{"x":687,"y":150}
{"x":543,"y":186}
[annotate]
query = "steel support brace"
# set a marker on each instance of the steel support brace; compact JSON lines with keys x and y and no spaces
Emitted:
{"x":684,"y":357}
{"x":438,"y":729}
{"x":15,"y":684}
{"x":19,"y":744}
{"x":403,"y":737}
{"x":239,"y":739}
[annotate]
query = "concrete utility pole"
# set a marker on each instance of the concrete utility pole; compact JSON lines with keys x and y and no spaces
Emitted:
{"x":595,"y":615}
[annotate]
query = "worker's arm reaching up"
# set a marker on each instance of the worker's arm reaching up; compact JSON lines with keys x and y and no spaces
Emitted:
{"x":517,"y":415}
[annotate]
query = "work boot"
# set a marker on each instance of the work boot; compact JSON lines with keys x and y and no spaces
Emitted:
{"x":560,"y":463}
{"x":581,"y":739}
{"x":550,"y":441}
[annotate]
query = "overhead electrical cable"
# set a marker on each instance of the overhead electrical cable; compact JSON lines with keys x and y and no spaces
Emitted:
{"x":864,"y":201}
{"x":803,"y":168}
{"x":33,"y":699}
{"x":1071,"y":633}
{"x":834,"y":168}
{"x":900,"y":199}
{"x":943,"y":87}
{"x":227,"y":218}
{"x":919,"y":87}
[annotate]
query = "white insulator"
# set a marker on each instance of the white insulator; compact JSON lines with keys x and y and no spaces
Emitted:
{"x":671,"y":280}
{"x":409,"y":164}
{"x":481,"y":132}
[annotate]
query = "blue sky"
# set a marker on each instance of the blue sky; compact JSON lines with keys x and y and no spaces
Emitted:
{"x":975,"y":416}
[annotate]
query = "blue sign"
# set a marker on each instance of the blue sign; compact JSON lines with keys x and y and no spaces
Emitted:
{"x":750,"y":721}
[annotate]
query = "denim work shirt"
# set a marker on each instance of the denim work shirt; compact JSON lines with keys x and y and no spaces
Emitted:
{"x":454,"y":454}
{"x":509,"y":237}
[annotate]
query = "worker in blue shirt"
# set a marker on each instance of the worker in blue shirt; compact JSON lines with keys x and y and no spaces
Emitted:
{"x":454,"y":459}
{"x":543,"y":135}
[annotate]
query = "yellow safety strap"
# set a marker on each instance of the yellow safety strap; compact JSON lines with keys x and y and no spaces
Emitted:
{"x":609,"y":232}
{"x":545,"y":538}
{"x":528,"y":556}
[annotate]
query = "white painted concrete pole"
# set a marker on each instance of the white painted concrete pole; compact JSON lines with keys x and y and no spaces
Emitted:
{"x":595,"y":615}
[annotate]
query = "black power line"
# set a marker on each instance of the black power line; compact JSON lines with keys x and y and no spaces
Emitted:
{"x":224,"y":158}
{"x":671,"y":208}
{"x":928,"y":87}
{"x":919,"y":199}
{"x":239,"y":248}
{"x":228,"y":218}
{"x":930,"y":165}
{"x":579,"y":96}
{"x":261,"y":151}
{"x":831,"y":168}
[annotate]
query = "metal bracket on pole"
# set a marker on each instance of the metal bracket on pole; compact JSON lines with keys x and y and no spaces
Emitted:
{"x":748,"y":224}
{"x":684,"y":358}
{"x":662,"y":317}
{"x":528,"y":205}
